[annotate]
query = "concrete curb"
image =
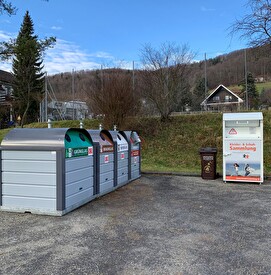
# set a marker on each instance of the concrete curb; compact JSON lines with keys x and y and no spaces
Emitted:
{"x":170,"y":173}
{"x":186,"y":174}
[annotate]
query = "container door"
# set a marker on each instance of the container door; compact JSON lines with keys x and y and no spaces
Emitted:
{"x":242,"y":160}
{"x":135,"y":155}
{"x":79,"y":168}
{"x":122,"y":160}
{"x":243,"y":148}
{"x":106,"y":183}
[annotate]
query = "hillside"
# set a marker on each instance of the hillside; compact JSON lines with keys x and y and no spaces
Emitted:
{"x":226,"y":69}
{"x":174,"y":146}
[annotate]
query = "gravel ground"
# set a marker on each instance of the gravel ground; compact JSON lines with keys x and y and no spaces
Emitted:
{"x":154,"y":225}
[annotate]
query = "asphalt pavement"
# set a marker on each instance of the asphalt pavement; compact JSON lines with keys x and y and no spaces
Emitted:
{"x":155,"y":225}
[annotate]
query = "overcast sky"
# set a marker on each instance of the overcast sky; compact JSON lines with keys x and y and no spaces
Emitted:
{"x":91,"y":34}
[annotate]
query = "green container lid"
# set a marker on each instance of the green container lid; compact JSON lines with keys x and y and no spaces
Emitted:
{"x":77,"y":144}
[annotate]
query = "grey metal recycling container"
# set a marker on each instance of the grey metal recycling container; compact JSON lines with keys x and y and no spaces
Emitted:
{"x":121,"y":151}
{"x":46,"y":171}
{"x":104,"y":157}
{"x":134,"y":154}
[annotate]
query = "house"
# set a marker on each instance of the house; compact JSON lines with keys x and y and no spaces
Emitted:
{"x":6,"y":98}
{"x":6,"y":90}
{"x":222,"y":99}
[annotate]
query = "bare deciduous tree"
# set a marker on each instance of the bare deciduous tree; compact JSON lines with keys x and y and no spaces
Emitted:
{"x":164,"y":78}
{"x":256,"y":25}
{"x":7,"y":7}
{"x":111,"y":95}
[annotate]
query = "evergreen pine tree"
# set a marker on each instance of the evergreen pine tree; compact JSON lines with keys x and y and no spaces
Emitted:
{"x":253,"y":95}
{"x":27,"y":69}
{"x":198,"y":94}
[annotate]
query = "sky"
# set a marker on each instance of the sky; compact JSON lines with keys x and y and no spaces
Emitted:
{"x":105,"y":33}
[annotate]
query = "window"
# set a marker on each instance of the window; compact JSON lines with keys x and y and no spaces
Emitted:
{"x":216,"y":98}
{"x":228,"y":98}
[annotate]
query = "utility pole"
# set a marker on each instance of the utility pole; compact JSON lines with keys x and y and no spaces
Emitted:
{"x":72,"y":94}
{"x":205,"y":75}
{"x":247,"y":100}
{"x":133,"y":75}
{"x":46,"y":99}
{"x":102,"y":82}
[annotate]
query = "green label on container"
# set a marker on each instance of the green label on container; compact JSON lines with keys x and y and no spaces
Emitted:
{"x":78,"y":152}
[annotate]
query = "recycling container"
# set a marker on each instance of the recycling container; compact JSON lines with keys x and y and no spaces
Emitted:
{"x":243,"y":147}
{"x":134,"y":143}
{"x":121,"y":158}
{"x":104,"y":158}
{"x":208,"y":163}
{"x":46,"y":171}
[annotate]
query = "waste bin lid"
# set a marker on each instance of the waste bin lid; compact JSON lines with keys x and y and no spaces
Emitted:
{"x":102,"y":138}
{"x":76,"y":139}
{"x":243,"y":116}
{"x":133,"y":137}
{"x":208,"y":150}
{"x":120,"y":139}
{"x":45,"y":137}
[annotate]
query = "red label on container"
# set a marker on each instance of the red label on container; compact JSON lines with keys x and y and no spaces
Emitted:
{"x":106,"y":159}
{"x":244,"y":178}
{"x":135,"y":153}
{"x":90,"y":151}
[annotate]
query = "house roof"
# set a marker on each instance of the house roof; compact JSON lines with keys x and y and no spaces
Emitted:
{"x":217,"y":89}
{"x":6,"y":77}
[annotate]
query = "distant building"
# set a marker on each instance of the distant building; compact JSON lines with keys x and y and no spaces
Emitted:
{"x":222,"y":99}
{"x":259,"y":79}
{"x":65,"y":110}
{"x":6,"y":90}
{"x":6,"y":99}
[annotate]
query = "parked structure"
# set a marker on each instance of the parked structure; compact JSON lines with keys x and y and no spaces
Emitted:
{"x":63,"y":110}
{"x":222,"y":99}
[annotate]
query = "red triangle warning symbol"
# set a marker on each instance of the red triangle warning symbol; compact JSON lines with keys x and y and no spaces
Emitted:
{"x":232,"y":131}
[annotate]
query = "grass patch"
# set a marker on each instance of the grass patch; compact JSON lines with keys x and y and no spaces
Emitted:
{"x":259,"y":86}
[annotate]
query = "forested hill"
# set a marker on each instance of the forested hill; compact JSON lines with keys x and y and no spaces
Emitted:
{"x":227,"y":69}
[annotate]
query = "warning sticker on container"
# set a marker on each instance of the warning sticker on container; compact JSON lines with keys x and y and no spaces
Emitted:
{"x":106,"y":158}
{"x":232,"y":131}
{"x":90,"y":151}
